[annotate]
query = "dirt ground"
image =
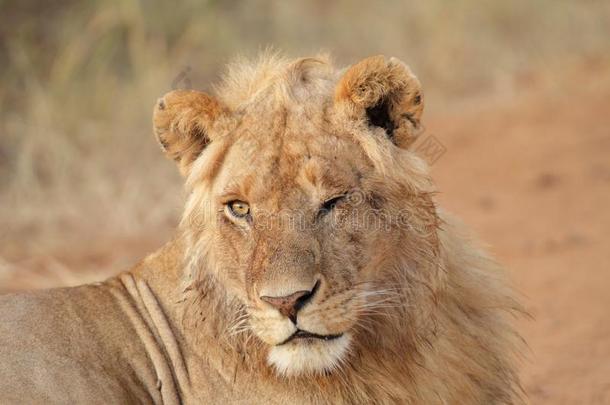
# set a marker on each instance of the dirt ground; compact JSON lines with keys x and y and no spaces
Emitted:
{"x":530,"y":173}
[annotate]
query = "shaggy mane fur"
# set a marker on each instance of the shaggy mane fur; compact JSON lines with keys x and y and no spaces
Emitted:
{"x":275,"y":77}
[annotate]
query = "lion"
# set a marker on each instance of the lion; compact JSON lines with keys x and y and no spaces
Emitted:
{"x":311,"y":264}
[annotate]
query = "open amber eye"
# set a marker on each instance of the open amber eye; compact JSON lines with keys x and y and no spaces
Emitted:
{"x":238,"y":208}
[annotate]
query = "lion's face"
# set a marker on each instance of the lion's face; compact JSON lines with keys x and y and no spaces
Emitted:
{"x":298,"y":222}
{"x":301,"y":233}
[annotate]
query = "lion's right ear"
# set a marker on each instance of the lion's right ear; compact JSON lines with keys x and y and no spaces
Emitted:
{"x":182,"y":122}
{"x":386,"y":94}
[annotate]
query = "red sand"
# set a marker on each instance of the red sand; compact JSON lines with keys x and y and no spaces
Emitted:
{"x":532,"y":177}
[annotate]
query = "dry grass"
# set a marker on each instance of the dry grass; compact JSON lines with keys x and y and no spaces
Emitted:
{"x":78,"y":165}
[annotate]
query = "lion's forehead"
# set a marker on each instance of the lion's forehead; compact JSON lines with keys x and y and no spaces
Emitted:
{"x":290,"y":167}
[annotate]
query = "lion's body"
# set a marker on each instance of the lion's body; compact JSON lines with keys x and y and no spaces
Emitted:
{"x":412,"y":311}
{"x":72,"y":346}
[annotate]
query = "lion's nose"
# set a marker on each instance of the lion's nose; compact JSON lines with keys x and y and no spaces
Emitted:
{"x":289,"y":305}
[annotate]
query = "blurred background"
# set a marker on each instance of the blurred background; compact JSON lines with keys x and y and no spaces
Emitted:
{"x":517,"y":106}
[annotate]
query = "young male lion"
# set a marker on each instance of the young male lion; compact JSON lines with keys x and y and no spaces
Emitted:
{"x":311,"y":264}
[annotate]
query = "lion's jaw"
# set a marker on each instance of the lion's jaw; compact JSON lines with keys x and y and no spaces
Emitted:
{"x":311,"y":356}
{"x":318,"y":341}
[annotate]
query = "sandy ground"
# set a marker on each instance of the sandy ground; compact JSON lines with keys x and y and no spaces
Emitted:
{"x":530,"y":172}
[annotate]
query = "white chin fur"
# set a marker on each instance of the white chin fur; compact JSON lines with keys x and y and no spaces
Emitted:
{"x":295,"y":358}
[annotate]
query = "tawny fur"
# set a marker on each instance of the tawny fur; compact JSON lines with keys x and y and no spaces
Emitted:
{"x":426,"y":316}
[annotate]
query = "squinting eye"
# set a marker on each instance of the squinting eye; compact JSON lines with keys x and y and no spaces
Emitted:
{"x":330,"y":204}
{"x":238,"y":208}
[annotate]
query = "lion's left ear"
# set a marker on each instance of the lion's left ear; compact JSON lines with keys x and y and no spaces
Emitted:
{"x":387,"y":94}
{"x":183,"y":121}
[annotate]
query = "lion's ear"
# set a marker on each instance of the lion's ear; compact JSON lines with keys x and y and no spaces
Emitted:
{"x":387,"y":94}
{"x":182,"y":122}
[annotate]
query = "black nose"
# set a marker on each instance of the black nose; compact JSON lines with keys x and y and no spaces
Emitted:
{"x":289,"y":305}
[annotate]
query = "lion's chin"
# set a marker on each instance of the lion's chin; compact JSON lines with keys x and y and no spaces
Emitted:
{"x":309,"y":357}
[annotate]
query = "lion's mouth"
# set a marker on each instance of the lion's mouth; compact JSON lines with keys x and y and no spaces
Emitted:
{"x":308,"y":336}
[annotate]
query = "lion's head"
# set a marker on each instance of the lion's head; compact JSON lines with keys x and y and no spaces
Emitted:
{"x":306,"y":204}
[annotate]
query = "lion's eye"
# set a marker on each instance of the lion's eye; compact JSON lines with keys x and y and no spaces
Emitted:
{"x":330,"y":204}
{"x":238,"y":208}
